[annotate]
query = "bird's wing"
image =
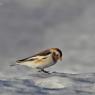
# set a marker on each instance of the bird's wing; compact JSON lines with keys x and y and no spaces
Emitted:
{"x":31,"y":59}
{"x":39,"y":56}
{"x":43,"y":53}
{"x":25,"y":59}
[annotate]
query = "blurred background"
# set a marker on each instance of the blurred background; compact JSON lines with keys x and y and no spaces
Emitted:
{"x":29,"y":26}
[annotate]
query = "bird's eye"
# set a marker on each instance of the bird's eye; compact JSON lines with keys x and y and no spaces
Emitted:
{"x":56,"y":54}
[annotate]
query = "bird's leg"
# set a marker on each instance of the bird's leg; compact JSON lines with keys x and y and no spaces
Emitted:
{"x":44,"y":71}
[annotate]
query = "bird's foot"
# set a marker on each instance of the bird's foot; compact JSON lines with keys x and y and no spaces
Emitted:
{"x":42,"y":70}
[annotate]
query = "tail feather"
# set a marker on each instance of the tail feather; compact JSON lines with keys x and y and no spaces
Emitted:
{"x":13,"y":64}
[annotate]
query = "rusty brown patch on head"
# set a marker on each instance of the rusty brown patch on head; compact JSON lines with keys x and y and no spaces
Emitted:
{"x":57,"y":50}
{"x":55,"y":58}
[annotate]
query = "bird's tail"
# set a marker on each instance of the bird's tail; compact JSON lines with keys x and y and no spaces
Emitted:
{"x":13,"y":64}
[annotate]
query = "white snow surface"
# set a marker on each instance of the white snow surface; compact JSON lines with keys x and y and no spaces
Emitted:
{"x":20,"y":80}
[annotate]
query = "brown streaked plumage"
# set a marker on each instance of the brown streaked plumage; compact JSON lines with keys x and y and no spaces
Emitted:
{"x":43,"y":59}
{"x":56,"y":56}
{"x":44,"y":53}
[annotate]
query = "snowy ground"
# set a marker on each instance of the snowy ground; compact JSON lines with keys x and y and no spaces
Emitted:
{"x":28,"y":26}
{"x":23,"y":81}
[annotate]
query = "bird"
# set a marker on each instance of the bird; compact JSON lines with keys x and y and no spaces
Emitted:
{"x":43,"y":59}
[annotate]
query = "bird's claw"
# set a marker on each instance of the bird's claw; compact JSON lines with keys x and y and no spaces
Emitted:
{"x":42,"y":70}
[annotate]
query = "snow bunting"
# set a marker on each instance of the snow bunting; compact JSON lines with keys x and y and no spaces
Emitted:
{"x":43,"y":59}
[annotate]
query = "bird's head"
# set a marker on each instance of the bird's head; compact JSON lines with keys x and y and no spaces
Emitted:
{"x":56,"y":54}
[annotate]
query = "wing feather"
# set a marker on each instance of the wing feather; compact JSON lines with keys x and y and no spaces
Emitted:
{"x":26,"y":59}
{"x":39,"y":56}
{"x":43,"y":53}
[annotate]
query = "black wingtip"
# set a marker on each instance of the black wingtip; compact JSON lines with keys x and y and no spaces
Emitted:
{"x":18,"y":61}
